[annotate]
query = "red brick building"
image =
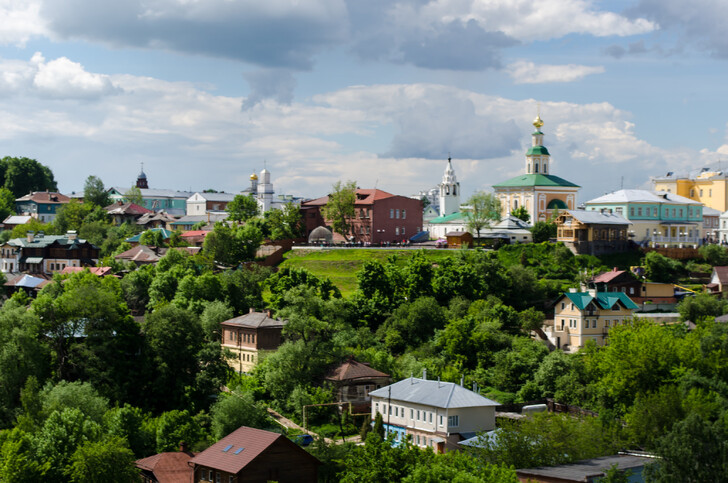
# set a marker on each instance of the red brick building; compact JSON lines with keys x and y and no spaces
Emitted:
{"x":380,"y":217}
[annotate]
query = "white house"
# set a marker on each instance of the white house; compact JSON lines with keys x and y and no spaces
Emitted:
{"x":432,"y":413}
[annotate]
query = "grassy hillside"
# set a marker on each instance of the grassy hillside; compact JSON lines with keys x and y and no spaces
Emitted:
{"x":340,"y":266}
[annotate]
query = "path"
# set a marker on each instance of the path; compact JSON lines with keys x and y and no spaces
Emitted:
{"x":287,"y":423}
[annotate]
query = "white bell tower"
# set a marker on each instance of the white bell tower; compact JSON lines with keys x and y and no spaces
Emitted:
{"x":449,"y":191}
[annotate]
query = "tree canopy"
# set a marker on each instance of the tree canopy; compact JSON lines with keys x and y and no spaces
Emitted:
{"x":483,"y":209}
{"x":23,"y":175}
{"x":339,"y":209}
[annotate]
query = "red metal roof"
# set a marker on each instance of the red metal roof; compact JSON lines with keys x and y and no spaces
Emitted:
{"x":253,"y":441}
{"x":168,"y":467}
{"x":126,"y":209}
{"x":607,"y":277}
{"x":363,"y":197}
{"x":100,"y":271}
{"x":193,"y":233}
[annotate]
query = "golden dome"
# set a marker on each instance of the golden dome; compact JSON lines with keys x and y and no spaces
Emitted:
{"x":253,"y":177}
{"x":537,"y":123}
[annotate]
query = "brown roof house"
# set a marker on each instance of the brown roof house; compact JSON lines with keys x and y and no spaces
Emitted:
{"x":169,"y":467}
{"x":355,"y":380}
{"x":254,"y":455}
{"x":247,"y":335}
{"x":718,"y":280}
{"x":122,"y":212}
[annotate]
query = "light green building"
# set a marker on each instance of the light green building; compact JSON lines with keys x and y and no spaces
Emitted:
{"x":658,"y":218}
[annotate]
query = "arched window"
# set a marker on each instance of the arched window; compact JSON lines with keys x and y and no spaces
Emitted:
{"x":545,"y":168}
{"x":454,"y":190}
{"x":535,"y":168}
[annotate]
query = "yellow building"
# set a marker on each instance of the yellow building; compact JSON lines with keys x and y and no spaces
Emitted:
{"x":537,"y":190}
{"x":708,"y":187}
{"x":583,"y":316}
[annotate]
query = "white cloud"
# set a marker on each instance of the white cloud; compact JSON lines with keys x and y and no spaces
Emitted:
{"x":20,"y":21}
{"x":524,"y":72}
{"x":395,"y":136}
{"x":63,"y":78}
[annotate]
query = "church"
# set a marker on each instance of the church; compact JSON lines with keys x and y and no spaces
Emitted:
{"x":537,"y":190}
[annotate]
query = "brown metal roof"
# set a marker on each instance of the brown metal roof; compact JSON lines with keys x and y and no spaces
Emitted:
{"x":168,"y":467}
{"x":47,"y":197}
{"x":722,"y":274}
{"x":255,"y":320}
{"x":351,"y":370}
{"x":252,"y":441}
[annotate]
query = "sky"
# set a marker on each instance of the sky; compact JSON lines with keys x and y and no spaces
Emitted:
{"x":206,"y":92}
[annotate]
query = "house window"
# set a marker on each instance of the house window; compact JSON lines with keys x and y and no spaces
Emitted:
{"x":639,"y":211}
{"x":396,"y":214}
{"x":217,"y":477}
{"x":396,"y":230}
{"x":404,"y":214}
{"x":418,"y":415}
{"x":673,"y":212}
{"x":563,"y":305}
{"x":376,"y":407}
{"x":618,"y":210}
{"x":681,"y":212}
{"x":441,"y":420}
{"x":403,"y":230}
{"x":430,"y":418}
{"x":412,"y":414}
{"x":453,"y":421}
{"x":606,"y":323}
{"x":701,"y":192}
{"x":615,"y":307}
{"x":631,"y":211}
{"x":586,"y":324}
{"x":391,"y":212}
{"x":594,"y":324}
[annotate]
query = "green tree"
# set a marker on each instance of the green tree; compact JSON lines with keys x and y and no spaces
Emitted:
{"x":71,"y":215}
{"x":234,"y":410}
{"x":77,"y":395}
{"x":232,"y":245}
{"x":695,"y":450}
{"x":339,"y":209}
{"x":24,"y":175}
{"x":242,"y":208}
{"x":483,"y":209}
{"x":128,"y":422}
{"x":286,"y":223}
{"x":134,"y":195}
{"x":521,"y":213}
{"x":7,"y":203}
{"x":95,"y":193}
{"x":62,"y":433}
{"x":543,"y":231}
{"x":701,"y":307}
{"x":715,"y":255}
{"x":213,"y":315}
{"x":107,"y":460}
{"x":175,"y":427}
{"x":153,"y":238}
{"x":18,"y":460}
{"x":659,"y":268}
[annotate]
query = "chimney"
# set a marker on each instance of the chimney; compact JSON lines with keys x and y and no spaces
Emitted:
{"x":424,"y":373}
{"x":268,"y":312}
{"x":30,"y":236}
{"x":592,"y":292}
{"x":438,"y":382}
{"x":183,"y":447}
{"x":475,"y":386}
{"x":71,"y":234}
{"x":462,"y":381}
{"x":615,"y":269}
{"x":251,"y":310}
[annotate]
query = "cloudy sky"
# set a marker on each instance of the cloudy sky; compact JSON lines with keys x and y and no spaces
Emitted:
{"x":204,"y":92}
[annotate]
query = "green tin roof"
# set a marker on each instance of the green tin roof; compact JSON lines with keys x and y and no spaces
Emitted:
{"x":535,"y":180}
{"x":538,"y":150}
{"x":448,"y":218}
{"x":605,"y":300}
{"x":135,"y":239}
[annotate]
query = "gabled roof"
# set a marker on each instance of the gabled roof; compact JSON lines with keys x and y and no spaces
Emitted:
{"x":169,"y":467}
{"x":244,"y":445}
{"x":100,"y":271}
{"x":120,"y":208}
{"x":17,"y":219}
{"x":135,"y":239}
{"x":42,"y":241}
{"x":605,"y":300}
{"x":45,"y":197}
{"x":351,"y":370}
{"x":142,"y":254}
{"x":607,"y":277}
{"x":596,"y":217}
{"x":510,"y":222}
{"x":363,"y":197}
{"x":642,"y":196}
{"x":433,"y":393}
{"x":721,"y":273}
{"x":255,"y":320}
{"x":535,"y":180}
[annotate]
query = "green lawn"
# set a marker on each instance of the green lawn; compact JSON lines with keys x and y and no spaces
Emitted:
{"x":340,"y":265}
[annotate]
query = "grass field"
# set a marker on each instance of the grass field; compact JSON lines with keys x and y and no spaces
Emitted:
{"x":341,"y":265}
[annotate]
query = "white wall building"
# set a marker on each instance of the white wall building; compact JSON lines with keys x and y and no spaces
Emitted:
{"x":432,"y":413}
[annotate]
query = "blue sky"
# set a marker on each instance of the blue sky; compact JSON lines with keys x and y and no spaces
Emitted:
{"x":206,"y":92}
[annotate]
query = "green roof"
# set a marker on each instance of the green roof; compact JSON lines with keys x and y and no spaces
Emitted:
{"x":605,"y":300}
{"x":448,"y":218}
{"x":538,"y":150}
{"x":135,"y":239}
{"x":535,"y":180}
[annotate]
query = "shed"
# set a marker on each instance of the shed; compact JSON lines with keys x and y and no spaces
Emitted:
{"x":459,"y":239}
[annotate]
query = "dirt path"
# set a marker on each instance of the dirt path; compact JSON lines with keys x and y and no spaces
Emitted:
{"x":287,"y":423}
